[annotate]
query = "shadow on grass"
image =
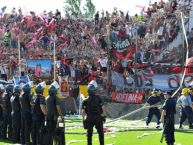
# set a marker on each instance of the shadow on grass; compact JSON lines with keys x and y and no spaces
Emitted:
{"x":5,"y":141}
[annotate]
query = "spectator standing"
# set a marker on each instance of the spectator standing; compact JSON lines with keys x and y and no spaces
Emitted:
{"x":7,"y":36}
{"x":58,"y":14}
{"x":97,"y":17}
{"x":3,"y":71}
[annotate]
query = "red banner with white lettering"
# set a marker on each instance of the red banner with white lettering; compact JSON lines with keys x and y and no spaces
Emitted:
{"x":123,"y":49}
{"x":130,"y":98}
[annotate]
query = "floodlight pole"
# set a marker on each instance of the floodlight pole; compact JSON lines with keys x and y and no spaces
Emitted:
{"x":136,"y":48}
{"x":19,"y":57}
{"x":109,"y":63}
{"x":54,"y":57}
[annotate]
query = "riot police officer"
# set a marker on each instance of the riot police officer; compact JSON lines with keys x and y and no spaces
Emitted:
{"x":191,"y":96}
{"x":167,"y":117}
{"x":26,"y":118}
{"x":38,"y":108}
{"x":191,"y":90}
{"x":7,"y":123}
{"x":153,"y":101}
{"x":16,"y":114}
{"x":93,"y":113}
{"x":186,"y":108}
{"x":53,"y":109}
{"x":191,"y":93}
{"x":1,"y":110}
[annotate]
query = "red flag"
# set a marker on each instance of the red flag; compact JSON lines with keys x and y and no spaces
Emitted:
{"x":127,"y":53}
{"x":131,"y":51}
{"x":176,"y":69}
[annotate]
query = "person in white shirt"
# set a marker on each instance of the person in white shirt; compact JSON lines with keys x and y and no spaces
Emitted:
{"x":128,"y":32}
{"x":103,"y":63}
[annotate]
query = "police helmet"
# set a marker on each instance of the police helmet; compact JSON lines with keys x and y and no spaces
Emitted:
{"x":17,"y":89}
{"x":154,"y":92}
{"x":39,"y":89}
{"x":1,"y":88}
{"x":9,"y":88}
{"x":191,"y":84}
{"x":91,"y":89}
{"x":94,"y":83}
{"x":52,"y":90}
{"x":26,"y":88}
{"x":43,"y":84}
{"x":184,"y":91}
{"x":55,"y":84}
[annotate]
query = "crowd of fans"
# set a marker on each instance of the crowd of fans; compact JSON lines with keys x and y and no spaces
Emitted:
{"x":81,"y":44}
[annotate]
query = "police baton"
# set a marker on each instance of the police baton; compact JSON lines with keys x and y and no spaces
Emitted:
{"x":162,"y":137}
{"x":164,"y":126}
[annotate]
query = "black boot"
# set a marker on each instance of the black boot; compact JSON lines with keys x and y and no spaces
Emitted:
{"x":101,"y":138}
{"x":191,"y":127}
{"x":180,"y":127}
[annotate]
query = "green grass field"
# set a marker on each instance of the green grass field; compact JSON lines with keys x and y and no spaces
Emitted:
{"x":131,"y":138}
{"x":114,"y":137}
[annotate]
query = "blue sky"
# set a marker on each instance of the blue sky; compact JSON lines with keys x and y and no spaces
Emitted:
{"x":40,"y":5}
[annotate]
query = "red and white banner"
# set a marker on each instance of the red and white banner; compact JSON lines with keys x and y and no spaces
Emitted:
{"x":130,"y":98}
{"x":123,"y":49}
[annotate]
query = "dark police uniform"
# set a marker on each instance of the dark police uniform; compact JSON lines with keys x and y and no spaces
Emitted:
{"x":26,"y":118}
{"x":1,"y":112}
{"x":75,"y":90}
{"x":170,"y":108}
{"x":52,"y":115}
{"x":191,"y":96}
{"x":16,"y":115}
{"x":93,"y":109}
{"x":37,"y":118}
{"x":152,"y":100}
{"x":7,"y":122}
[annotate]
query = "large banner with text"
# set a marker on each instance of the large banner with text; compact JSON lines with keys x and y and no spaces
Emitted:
{"x":130,"y":98}
{"x":144,"y":80}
